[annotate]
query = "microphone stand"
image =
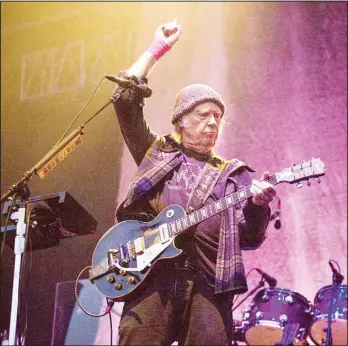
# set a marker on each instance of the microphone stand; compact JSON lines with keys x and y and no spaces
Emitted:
{"x":19,"y":246}
{"x":21,"y":188}
{"x":259,"y":285}
{"x":335,"y":282}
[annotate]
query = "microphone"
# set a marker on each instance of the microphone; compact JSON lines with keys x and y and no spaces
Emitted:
{"x":272,"y":282}
{"x":124,"y":83}
{"x":338,"y":276}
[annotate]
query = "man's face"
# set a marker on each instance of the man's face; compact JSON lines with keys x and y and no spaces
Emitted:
{"x":199,"y":129}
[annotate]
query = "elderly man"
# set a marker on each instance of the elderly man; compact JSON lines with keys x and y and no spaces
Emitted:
{"x":188,"y":298}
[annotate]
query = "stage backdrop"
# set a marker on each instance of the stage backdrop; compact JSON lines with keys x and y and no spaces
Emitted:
{"x":282,"y":71}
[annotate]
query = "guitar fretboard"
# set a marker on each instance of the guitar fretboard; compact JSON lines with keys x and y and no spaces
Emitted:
{"x":214,"y":208}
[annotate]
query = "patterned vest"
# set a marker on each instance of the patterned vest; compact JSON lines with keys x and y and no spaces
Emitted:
{"x":162,"y":157}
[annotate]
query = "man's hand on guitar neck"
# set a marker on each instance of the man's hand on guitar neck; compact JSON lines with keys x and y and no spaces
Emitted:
{"x":262,"y":191}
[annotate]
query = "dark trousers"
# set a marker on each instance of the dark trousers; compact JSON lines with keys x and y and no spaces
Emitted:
{"x":177,"y":306}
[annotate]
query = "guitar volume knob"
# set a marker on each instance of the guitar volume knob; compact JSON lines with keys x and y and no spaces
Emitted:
{"x":123,"y":272}
{"x":118,"y":286}
{"x":131,"y":280}
{"x":110,"y":279}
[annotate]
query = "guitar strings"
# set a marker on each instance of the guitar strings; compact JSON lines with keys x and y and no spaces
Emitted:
{"x":179,"y":224}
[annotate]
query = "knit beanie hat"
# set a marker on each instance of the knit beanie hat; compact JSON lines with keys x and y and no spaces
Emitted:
{"x":192,"y":95}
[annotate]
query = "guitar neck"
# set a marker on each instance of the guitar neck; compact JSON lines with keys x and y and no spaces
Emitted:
{"x":214,"y":208}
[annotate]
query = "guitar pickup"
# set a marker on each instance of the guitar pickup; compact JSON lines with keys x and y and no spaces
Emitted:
{"x":139,"y":245}
{"x":164,"y":233}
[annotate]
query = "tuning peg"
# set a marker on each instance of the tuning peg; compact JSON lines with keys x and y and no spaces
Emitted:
{"x":309,"y":182}
{"x":318,"y":180}
{"x":299,"y":185}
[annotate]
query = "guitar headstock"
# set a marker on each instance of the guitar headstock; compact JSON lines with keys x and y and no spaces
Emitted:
{"x":314,"y":168}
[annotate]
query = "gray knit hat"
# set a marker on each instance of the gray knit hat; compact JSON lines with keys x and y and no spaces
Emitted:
{"x":192,"y":95}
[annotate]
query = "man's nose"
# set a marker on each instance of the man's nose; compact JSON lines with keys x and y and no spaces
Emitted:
{"x":212,"y":120}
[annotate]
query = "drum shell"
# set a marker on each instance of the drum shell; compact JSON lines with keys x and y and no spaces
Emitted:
{"x":269,"y":308}
{"x":338,"y":315}
{"x":322,"y":302}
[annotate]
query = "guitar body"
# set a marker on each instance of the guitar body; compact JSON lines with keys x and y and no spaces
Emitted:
{"x":120,"y":285}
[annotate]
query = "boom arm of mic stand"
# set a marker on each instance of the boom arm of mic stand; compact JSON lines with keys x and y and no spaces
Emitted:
{"x":27,"y":175}
{"x":17,"y":187}
{"x":259,"y":285}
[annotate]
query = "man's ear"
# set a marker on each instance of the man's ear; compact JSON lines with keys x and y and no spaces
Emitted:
{"x":181,"y":122}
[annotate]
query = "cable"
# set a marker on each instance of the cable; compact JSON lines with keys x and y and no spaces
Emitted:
{"x":6,"y":222}
{"x":110,"y":303}
{"x":78,"y":114}
{"x":110,"y":320}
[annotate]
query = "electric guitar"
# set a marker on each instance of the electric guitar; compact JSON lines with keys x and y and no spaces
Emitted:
{"x":126,"y":253}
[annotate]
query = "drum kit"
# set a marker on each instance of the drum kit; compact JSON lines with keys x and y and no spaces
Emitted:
{"x":279,"y":316}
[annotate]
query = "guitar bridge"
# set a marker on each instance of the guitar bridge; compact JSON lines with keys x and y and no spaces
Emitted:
{"x":131,"y":250}
{"x":113,"y":255}
{"x":105,"y":266}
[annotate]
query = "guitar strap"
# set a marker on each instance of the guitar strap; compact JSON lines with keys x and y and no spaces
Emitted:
{"x":206,"y":181}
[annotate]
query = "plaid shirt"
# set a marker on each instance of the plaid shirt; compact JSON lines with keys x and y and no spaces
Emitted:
{"x":242,"y":228}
